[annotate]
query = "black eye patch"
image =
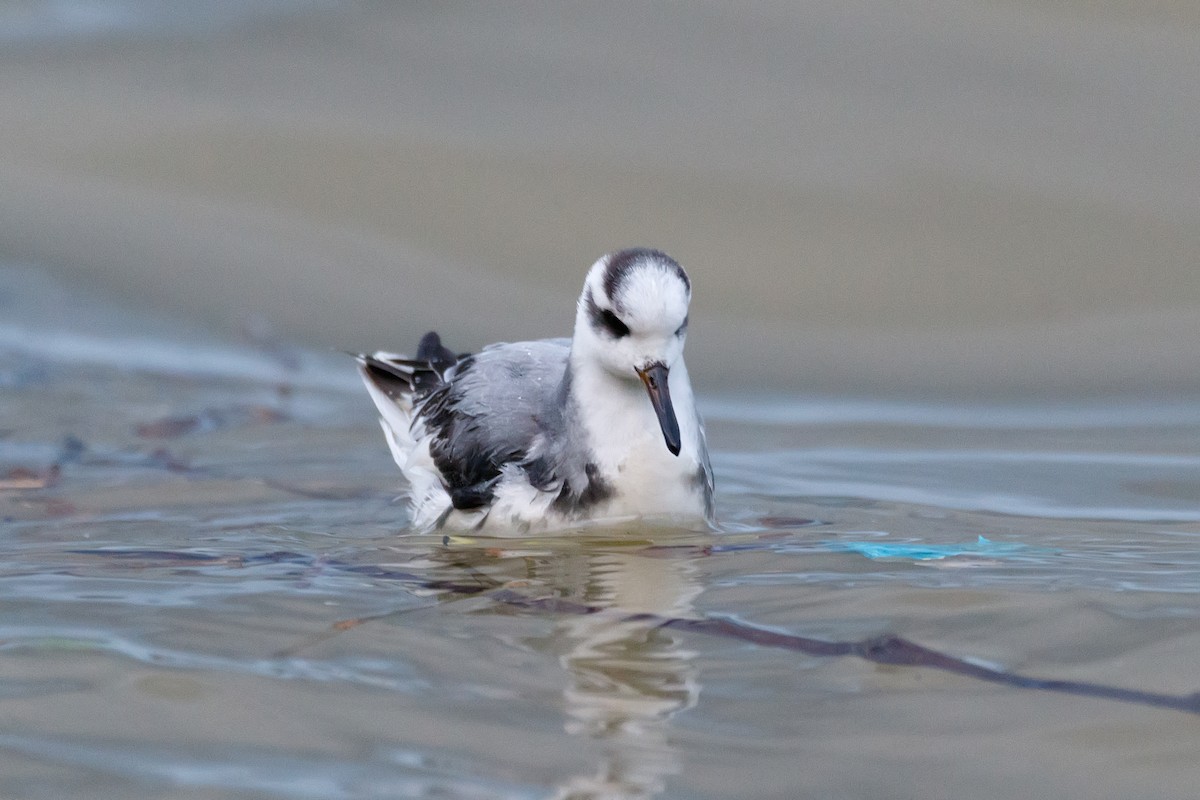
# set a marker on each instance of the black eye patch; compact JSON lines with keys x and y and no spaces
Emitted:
{"x":613,"y":324}
{"x":682,"y":329}
{"x":603,"y":319}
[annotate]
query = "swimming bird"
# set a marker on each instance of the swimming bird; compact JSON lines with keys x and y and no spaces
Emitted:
{"x":553,"y":433}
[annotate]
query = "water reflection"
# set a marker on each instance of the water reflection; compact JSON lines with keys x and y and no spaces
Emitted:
{"x":627,"y":678}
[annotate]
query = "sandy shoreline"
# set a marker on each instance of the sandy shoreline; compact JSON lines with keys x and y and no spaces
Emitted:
{"x":918,"y":222}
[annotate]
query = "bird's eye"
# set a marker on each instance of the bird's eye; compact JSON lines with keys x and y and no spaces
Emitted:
{"x":613,"y":324}
{"x":682,"y":329}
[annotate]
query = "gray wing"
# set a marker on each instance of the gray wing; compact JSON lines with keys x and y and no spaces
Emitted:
{"x":490,"y":412}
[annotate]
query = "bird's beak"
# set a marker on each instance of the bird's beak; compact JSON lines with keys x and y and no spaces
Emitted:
{"x":655,"y":378}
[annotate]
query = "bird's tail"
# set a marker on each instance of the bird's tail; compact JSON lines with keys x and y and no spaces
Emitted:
{"x":397,"y":382}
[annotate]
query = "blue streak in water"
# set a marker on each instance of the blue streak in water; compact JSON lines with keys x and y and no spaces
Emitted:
{"x":920,"y":551}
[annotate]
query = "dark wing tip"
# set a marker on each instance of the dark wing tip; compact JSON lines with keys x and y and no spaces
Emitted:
{"x":432,"y":351}
{"x":398,"y":376}
{"x":394,"y":380}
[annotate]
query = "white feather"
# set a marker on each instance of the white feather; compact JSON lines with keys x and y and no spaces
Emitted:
{"x":611,"y":419}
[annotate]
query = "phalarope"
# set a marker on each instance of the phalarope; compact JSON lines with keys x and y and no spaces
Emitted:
{"x":555,"y":432}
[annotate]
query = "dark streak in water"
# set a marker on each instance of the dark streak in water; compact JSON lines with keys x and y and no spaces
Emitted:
{"x":886,"y":649}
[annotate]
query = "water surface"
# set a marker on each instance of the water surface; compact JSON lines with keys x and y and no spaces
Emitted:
{"x":216,"y":595}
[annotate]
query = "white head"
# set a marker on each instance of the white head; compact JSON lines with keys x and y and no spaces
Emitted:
{"x":631,"y":320}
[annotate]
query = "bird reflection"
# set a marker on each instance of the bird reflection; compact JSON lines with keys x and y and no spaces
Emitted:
{"x":627,"y":677}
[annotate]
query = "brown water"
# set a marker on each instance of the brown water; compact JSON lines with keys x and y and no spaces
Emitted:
{"x":944,"y":257}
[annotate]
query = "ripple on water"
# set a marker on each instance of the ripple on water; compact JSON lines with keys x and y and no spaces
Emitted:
{"x":1055,"y":485}
{"x":224,"y":579}
{"x":278,"y":774}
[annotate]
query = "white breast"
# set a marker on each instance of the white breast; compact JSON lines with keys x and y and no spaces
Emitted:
{"x":625,"y":437}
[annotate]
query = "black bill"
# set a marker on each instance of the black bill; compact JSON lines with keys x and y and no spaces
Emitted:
{"x":655,"y":378}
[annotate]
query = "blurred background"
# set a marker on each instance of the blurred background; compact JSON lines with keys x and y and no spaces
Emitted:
{"x":982,"y":198}
{"x":947,"y":302}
